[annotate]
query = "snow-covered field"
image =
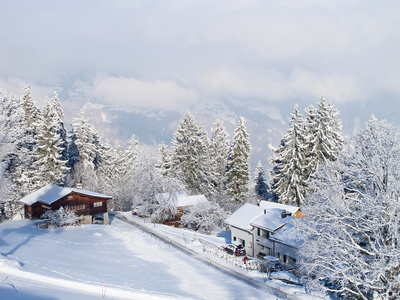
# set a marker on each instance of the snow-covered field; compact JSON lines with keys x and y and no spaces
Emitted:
{"x":111,"y":262}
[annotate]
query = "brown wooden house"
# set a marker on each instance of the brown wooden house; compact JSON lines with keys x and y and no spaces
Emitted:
{"x":52,"y":197}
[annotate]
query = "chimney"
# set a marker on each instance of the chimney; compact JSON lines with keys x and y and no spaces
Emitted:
{"x":79,"y":186}
{"x":283,"y":213}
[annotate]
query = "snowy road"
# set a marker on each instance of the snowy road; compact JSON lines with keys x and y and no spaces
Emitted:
{"x":209,"y":262}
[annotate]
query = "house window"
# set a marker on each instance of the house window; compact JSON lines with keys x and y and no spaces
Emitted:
{"x":263,"y":233}
{"x":76,"y":207}
{"x":243,"y":242}
{"x":234,"y":238}
{"x":285,"y":259}
{"x":278,"y":255}
{"x":98,"y":204}
{"x":291,"y":260}
{"x":70,"y":197}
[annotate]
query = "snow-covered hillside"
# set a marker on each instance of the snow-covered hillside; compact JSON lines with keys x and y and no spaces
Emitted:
{"x":116,"y":262}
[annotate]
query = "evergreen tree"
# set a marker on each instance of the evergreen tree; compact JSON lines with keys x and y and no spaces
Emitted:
{"x":325,"y":140}
{"x":24,"y":118}
{"x":165,"y":163}
{"x":56,"y":113}
{"x":86,"y":141}
{"x":261,"y":187}
{"x":238,"y":176}
{"x":290,"y":181}
{"x":31,"y":112}
{"x":191,"y":157}
{"x":6,"y":147}
{"x":276,"y":162}
{"x":84,"y":154}
{"x":130,"y":157}
{"x":306,"y":145}
{"x":48,"y":165}
{"x":105,"y":168}
{"x":219,"y":156}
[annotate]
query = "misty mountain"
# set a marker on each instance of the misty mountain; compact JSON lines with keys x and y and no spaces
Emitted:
{"x":264,"y":123}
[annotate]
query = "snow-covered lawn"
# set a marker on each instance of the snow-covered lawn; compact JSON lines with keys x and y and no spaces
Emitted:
{"x":114,"y":262}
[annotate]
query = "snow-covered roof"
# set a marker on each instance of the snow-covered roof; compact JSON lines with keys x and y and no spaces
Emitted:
{"x":271,"y":205}
{"x":242,"y":217}
{"x":289,"y":235}
{"x":51,"y":193}
{"x":271,"y":220}
{"x":181,"y":199}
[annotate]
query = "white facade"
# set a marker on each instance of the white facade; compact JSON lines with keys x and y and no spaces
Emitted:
{"x":244,"y":237}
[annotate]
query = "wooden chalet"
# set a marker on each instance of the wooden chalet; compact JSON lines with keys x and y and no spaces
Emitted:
{"x":52,"y":197}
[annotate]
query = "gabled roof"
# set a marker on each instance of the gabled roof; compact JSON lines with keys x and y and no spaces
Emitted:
{"x":51,"y":193}
{"x":242,"y":217}
{"x":289,"y":234}
{"x":271,"y":221}
{"x":181,"y":199}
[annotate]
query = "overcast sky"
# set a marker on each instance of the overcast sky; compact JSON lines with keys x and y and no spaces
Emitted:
{"x":171,"y":54}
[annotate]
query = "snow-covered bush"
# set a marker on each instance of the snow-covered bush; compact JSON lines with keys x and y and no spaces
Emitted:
{"x":164,"y":211}
{"x":61,"y":217}
{"x":203,"y":217}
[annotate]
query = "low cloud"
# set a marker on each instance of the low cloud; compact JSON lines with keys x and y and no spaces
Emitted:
{"x":144,"y":94}
{"x":341,"y":88}
{"x":273,"y":85}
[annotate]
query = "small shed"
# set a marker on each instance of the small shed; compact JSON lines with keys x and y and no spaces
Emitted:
{"x":52,"y":197}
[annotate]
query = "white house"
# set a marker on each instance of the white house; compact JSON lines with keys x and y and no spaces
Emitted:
{"x":262,"y":229}
{"x":238,"y":224}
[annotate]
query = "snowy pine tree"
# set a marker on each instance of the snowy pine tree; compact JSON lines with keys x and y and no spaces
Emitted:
{"x":307,"y":144}
{"x":85,"y":139}
{"x":6,"y":147}
{"x":219,"y":156}
{"x":191,"y":162}
{"x":261,"y":187}
{"x":105,"y":168}
{"x":84,"y":154}
{"x":291,"y":181}
{"x":57,"y":115}
{"x":238,"y":176}
{"x":325,"y":139}
{"x":31,"y":112}
{"x":50,"y":136}
{"x":130,"y":157}
{"x":165,"y":162}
